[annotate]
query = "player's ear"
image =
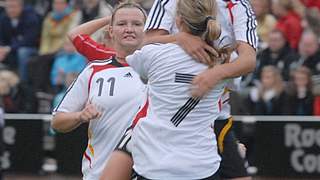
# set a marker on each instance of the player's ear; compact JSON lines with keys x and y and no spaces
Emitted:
{"x":110,"y":31}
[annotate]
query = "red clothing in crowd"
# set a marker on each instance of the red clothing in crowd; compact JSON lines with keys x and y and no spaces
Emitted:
{"x":290,"y":26}
{"x":311,"y":3}
{"x":91,"y":49}
{"x":316,"y":106}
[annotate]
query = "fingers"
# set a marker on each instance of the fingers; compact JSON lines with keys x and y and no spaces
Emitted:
{"x":90,"y":112}
{"x":211,"y":50}
{"x":203,"y":83}
{"x":199,"y":87}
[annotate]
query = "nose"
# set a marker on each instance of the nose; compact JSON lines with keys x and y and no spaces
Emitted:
{"x":129,"y":28}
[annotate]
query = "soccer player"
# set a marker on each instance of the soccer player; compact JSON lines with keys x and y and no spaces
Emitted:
{"x":174,"y":140}
{"x":107,"y":94}
{"x":238,"y":28}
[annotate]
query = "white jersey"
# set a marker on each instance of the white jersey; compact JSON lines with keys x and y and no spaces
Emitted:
{"x":174,"y":141}
{"x":237,"y":20}
{"x":117,"y":92}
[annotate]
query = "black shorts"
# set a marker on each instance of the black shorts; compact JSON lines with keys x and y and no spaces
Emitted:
{"x":124,"y":144}
{"x":215,"y":176}
{"x":232,"y":164}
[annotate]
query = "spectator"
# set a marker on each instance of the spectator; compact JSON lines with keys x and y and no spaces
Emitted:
{"x":93,"y":9}
{"x":300,"y":97}
{"x":69,"y":78}
{"x":309,"y":52}
{"x":311,"y":3}
{"x":289,"y":21}
{"x":67,"y":61}
{"x":55,"y":27}
{"x":266,"y":21}
{"x":312,"y":20}
{"x":278,"y":54}
{"x":19,"y":35}
{"x":269,"y":97}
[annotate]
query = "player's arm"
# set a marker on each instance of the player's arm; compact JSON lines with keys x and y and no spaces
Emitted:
{"x":68,"y":121}
{"x":244,"y":27}
{"x":158,"y":30}
{"x":73,"y":110}
{"x":89,"y":27}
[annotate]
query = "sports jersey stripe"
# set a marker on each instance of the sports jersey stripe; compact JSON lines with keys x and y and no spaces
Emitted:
{"x":253,"y":22}
{"x":156,"y":13}
{"x":184,"y":111}
{"x":88,"y":158}
{"x":163,"y":11}
{"x":141,"y":114}
{"x":184,"y":78}
{"x":95,"y":46}
{"x":251,"y":25}
{"x":153,"y":12}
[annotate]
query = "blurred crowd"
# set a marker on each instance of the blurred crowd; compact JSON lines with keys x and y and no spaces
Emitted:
{"x":38,"y":63}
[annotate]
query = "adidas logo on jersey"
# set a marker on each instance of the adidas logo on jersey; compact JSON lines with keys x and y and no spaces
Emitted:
{"x":128,"y":75}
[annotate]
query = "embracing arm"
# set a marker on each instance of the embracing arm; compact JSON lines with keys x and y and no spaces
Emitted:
{"x":89,"y":27}
{"x":244,"y":64}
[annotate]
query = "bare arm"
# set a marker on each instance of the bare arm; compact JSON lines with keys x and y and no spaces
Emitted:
{"x":89,"y":27}
{"x":244,"y":64}
{"x":68,"y":121}
{"x":158,"y":36}
{"x":193,"y":45}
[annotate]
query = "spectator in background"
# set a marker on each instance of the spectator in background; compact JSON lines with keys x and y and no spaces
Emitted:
{"x":311,"y":3}
{"x":269,"y":97}
{"x":266,"y":21}
{"x":300,"y":98}
{"x":309,"y":52}
{"x":278,"y":54}
{"x":19,"y":35}
{"x":312,"y":20}
{"x":93,"y":9}
{"x":69,"y":78}
{"x":67,"y":61}
{"x":289,"y":21}
{"x":55,"y":27}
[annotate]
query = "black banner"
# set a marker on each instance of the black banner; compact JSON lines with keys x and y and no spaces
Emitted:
{"x":23,"y":143}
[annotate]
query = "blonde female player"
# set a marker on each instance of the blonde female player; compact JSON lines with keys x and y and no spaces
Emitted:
{"x":238,"y":26}
{"x":107,"y":94}
{"x":173,"y":139}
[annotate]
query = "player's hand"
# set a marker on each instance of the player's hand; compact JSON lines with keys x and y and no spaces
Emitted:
{"x":196,"y":47}
{"x":205,"y":81}
{"x":89,"y":113}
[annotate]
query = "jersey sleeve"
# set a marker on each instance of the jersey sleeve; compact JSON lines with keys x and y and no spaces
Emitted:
{"x":141,"y":61}
{"x":161,"y":15}
{"x":245,"y":24}
{"x":76,"y":96}
{"x":91,"y":49}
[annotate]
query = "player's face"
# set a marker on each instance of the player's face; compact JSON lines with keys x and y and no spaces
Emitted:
{"x":127,"y":28}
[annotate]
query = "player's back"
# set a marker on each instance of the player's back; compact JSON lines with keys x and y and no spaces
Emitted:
{"x":175,"y":122}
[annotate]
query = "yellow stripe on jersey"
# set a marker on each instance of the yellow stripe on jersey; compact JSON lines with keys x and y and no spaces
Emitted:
{"x":223,"y":133}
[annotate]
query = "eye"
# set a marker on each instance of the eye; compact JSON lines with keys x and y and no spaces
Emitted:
{"x":138,"y":23}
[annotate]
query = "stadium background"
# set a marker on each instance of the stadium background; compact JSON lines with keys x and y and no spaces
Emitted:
{"x":282,"y":138}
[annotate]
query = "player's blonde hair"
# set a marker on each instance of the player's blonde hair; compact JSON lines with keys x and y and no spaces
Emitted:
{"x":200,"y":16}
